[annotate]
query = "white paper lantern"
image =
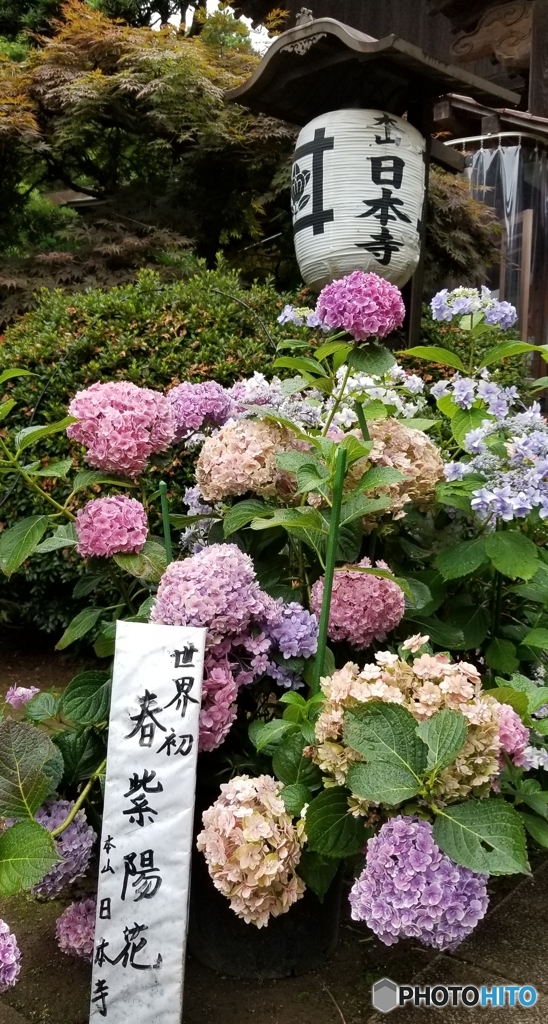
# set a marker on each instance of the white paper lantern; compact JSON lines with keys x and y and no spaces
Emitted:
{"x":357,"y":195}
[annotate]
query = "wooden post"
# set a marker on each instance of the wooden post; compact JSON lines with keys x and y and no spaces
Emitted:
{"x":538,"y":68}
{"x":420,"y":114}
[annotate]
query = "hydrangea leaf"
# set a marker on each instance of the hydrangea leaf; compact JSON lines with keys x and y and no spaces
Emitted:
{"x":64,"y":537}
{"x":17,"y":543}
{"x":27,"y":853}
{"x":466,"y":420}
{"x":445,"y":736}
{"x":86,"y":699}
{"x":241,"y":514}
{"x":512,"y":554}
{"x":331,"y":828}
{"x":317,"y":872}
{"x":292,"y":767}
{"x":382,"y":782}
{"x":26,"y":437}
{"x":87,"y":477}
{"x":82,"y":753}
{"x":386,"y":733}
{"x":505,"y":350}
{"x":537,"y":638}
{"x":24,"y":786}
{"x":41,"y":707}
{"x":149,"y":564}
{"x":435,"y":354}
{"x":370,"y":358}
{"x":536,"y":827}
{"x":295,"y":797}
{"x":80,"y":625}
{"x":462,"y":559}
{"x":379,"y":476}
{"x":474,"y":622}
{"x":440,"y":633}
{"x":266,"y":735}
{"x":483,"y":835}
{"x":501,"y":656}
{"x":55,"y":469}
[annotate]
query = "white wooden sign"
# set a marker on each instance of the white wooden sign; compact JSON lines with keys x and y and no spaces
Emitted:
{"x":144,"y":872}
{"x":357,"y":194}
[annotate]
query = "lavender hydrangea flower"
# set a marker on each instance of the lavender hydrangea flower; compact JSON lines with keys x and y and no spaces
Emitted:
{"x":75,"y":929}
{"x":196,"y":404}
{"x":74,"y":846}
{"x":18,"y":696}
{"x":468,"y":301}
{"x":464,"y":392}
{"x":296,"y":632}
{"x":410,"y":889}
{"x":10,"y":958}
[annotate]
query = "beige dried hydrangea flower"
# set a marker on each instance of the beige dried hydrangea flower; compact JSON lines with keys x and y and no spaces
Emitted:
{"x":424,"y":687}
{"x":242,"y":458}
{"x":412,"y":453}
{"x":252,"y":848}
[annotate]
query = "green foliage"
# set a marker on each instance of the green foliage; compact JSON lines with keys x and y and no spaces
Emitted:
{"x":485,"y":836}
{"x":23,"y":784}
{"x":331,"y":829}
{"x":151,"y":333}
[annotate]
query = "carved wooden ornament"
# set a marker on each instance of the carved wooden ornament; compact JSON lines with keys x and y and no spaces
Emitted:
{"x":504,"y":32}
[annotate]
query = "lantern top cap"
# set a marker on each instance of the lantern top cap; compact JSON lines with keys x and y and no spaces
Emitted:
{"x":323,"y":65}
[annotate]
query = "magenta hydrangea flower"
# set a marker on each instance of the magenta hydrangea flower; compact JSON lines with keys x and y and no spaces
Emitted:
{"x":195,"y":404}
{"x":410,"y":889}
{"x":363,"y":304}
{"x":218,"y":711}
{"x":111,"y":526}
{"x":121,"y":425}
{"x":10,"y":958}
{"x":514,"y":736}
{"x":363,"y":608}
{"x":18,"y":696}
{"x":75,"y":929}
{"x":74,"y":846}
{"x":215,"y":588}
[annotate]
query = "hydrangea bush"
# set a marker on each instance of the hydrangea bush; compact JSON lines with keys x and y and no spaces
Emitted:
{"x":368,"y":557}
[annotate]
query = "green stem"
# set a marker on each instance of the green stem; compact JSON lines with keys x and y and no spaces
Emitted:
{"x":340,"y":467}
{"x":32,"y":485}
{"x":337,"y":402}
{"x":498,"y":603}
{"x":165,"y":520}
{"x":358,"y":409}
{"x":78,"y":803}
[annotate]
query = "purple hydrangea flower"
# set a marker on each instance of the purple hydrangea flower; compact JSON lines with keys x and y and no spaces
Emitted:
{"x":296,"y":633}
{"x":465,"y":301}
{"x":18,"y":696}
{"x":410,"y":889}
{"x":10,"y":958}
{"x":440,"y":389}
{"x":196,"y":404}
{"x":455,"y":471}
{"x":74,"y":846}
{"x":464,"y":392}
{"x":75,"y":929}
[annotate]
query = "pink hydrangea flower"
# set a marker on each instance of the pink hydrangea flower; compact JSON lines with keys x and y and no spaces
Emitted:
{"x":215,"y":588}
{"x":514,"y":736}
{"x":75,"y":929}
{"x":218,"y":711}
{"x":121,"y":425}
{"x":363,"y":304}
{"x":111,"y":526}
{"x":10,"y":958}
{"x":18,"y":696}
{"x":194,"y":404}
{"x":363,"y":608}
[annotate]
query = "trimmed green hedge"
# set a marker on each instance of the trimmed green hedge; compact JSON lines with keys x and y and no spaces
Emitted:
{"x":154,"y":334}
